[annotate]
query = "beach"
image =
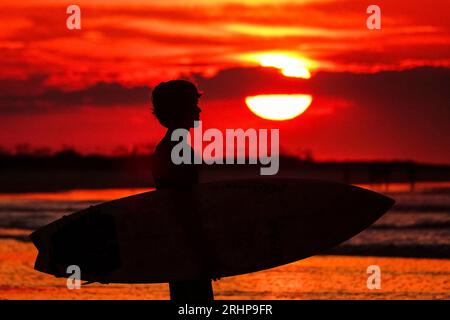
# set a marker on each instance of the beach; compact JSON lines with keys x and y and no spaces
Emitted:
{"x":319,"y":277}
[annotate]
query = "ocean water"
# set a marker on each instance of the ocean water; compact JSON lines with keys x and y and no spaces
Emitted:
{"x":410,"y":244}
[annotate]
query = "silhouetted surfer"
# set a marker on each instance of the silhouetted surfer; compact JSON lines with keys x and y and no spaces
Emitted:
{"x":175,"y":105}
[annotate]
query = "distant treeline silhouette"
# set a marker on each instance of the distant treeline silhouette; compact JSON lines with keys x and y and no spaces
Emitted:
{"x":70,"y":159}
{"x":68,"y":169}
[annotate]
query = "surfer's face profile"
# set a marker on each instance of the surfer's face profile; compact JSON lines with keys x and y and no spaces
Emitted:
{"x":190,"y":113}
{"x":175,"y":104}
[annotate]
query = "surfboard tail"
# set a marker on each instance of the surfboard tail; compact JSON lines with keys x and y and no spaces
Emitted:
{"x":36,"y":239}
{"x":42,"y":260}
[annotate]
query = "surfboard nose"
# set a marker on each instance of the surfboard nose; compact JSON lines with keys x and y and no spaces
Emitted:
{"x":378,"y":203}
{"x":390,"y":202}
{"x":387,"y":204}
{"x":384,"y":201}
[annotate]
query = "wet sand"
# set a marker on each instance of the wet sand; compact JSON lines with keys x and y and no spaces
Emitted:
{"x":319,"y":277}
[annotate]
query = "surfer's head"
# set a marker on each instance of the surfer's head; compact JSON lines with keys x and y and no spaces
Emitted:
{"x":175,"y":104}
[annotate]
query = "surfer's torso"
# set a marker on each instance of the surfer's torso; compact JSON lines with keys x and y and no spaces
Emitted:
{"x":166,"y":174}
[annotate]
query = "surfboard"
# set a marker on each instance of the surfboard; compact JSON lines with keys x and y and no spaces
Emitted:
{"x":216,"y":229}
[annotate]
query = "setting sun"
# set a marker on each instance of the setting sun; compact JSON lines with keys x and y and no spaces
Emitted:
{"x":279,"y":106}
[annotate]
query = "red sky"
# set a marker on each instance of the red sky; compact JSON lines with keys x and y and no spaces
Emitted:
{"x":89,"y":88}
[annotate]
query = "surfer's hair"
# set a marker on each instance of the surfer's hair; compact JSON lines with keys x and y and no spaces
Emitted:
{"x":170,"y":100}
